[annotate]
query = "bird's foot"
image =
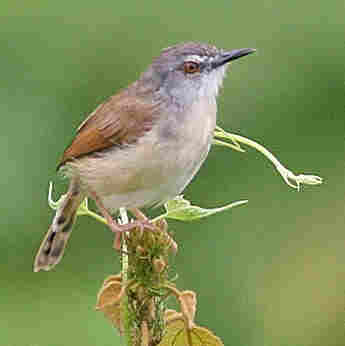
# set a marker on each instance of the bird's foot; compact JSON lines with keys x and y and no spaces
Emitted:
{"x":139,"y":225}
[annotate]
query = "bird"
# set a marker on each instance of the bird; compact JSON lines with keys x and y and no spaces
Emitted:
{"x":142,"y":146}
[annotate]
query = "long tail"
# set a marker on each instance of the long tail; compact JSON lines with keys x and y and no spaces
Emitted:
{"x":54,"y":243}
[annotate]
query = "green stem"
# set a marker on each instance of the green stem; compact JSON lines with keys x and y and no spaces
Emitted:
{"x":97,"y":217}
{"x":159,"y":217}
{"x":124,"y":256}
{"x":124,"y":220}
{"x":289,"y":177}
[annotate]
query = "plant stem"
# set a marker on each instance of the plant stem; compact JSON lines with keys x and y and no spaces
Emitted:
{"x":124,"y":259}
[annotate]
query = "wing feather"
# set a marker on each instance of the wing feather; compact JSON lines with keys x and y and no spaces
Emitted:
{"x":122,"y":119}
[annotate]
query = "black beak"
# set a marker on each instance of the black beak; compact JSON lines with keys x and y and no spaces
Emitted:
{"x":232,"y":55}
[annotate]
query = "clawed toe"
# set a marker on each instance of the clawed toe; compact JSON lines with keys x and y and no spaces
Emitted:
{"x":140,"y":225}
{"x":137,"y":224}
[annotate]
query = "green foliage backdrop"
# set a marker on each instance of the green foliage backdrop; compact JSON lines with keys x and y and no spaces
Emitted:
{"x":269,"y":273}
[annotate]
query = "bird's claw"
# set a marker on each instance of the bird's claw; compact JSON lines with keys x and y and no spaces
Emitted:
{"x":140,"y":225}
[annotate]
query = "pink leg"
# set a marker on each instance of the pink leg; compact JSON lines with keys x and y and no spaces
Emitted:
{"x":116,"y":228}
{"x":142,"y":221}
{"x":138,"y":214}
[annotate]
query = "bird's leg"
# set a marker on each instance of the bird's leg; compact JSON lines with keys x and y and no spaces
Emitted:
{"x":138,"y":214}
{"x":113,"y":225}
{"x":142,"y":221}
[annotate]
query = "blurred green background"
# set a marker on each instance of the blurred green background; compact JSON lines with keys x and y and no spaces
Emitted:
{"x":269,"y":273}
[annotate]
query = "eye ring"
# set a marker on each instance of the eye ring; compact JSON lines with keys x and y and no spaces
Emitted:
{"x":191,"y":67}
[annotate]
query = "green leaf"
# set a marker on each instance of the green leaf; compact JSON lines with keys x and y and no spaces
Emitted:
{"x":176,"y":334}
{"x":181,"y":209}
{"x":176,"y":204}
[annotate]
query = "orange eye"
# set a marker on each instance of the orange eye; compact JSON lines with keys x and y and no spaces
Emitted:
{"x":191,"y":67}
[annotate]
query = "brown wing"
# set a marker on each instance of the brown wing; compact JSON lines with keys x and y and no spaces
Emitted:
{"x":120,"y":120}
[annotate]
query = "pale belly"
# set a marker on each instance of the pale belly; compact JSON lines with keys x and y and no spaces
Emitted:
{"x":157,"y":168}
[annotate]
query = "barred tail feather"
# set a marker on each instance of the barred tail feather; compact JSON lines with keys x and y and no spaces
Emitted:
{"x":54,"y":243}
